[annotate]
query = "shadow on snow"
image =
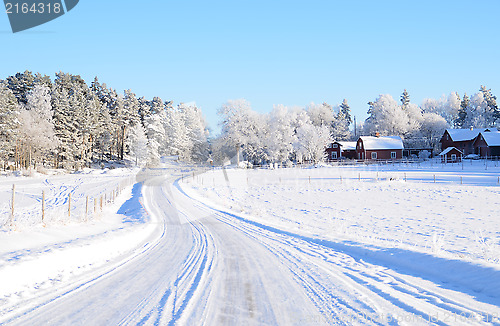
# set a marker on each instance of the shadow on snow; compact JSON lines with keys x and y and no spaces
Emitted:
{"x":133,"y":209}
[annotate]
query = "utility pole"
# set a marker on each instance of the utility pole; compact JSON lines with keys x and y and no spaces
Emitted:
{"x":355,"y":131}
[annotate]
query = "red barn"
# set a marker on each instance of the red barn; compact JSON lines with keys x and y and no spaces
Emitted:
{"x":451,"y":155}
{"x":341,"y":149}
{"x":463,"y":139}
{"x":487,"y":144}
{"x":379,"y":148}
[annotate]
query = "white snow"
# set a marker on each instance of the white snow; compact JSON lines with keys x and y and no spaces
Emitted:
{"x":449,"y":149}
{"x":37,"y":259}
{"x":445,"y":210}
{"x":492,"y":139}
{"x":387,"y":142}
{"x":365,"y":244}
{"x":468,"y":134}
{"x":347,"y":145}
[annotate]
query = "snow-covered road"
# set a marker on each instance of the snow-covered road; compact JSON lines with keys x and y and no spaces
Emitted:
{"x":204,"y":264}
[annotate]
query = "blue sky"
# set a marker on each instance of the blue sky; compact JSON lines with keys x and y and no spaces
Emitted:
{"x":268,"y":52}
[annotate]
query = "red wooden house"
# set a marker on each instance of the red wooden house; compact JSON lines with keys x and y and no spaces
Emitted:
{"x":487,"y":144}
{"x":379,"y":148}
{"x":463,"y":139}
{"x":341,"y":149}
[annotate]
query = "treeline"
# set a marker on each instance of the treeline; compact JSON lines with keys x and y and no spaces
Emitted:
{"x":423,"y":126}
{"x":66,"y":123}
{"x":282,"y":136}
{"x":300,"y":134}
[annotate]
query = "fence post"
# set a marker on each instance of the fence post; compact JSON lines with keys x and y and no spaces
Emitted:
{"x":434,"y":178}
{"x":405,"y":176}
{"x":86,"y":208}
{"x":13,"y":201}
{"x":43,"y":205}
{"x":460,"y":180}
{"x":69,"y":205}
{"x":95,"y":205}
{"x":101,"y":203}
{"x":359,"y":176}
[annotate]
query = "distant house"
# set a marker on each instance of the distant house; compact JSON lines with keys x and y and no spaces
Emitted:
{"x":463,"y":139}
{"x":451,"y":155}
{"x":341,"y":149}
{"x":379,"y":148}
{"x":487,"y":144}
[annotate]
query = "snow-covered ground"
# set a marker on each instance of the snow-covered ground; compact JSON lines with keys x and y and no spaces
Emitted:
{"x":38,"y":258}
{"x":446,"y":210}
{"x":62,"y":192}
{"x":351,"y":245}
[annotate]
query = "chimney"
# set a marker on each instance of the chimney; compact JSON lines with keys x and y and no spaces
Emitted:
{"x":377,"y":134}
{"x":471,"y":128}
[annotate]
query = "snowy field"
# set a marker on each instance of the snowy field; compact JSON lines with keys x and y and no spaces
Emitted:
{"x":38,"y":258}
{"x":67,"y":198}
{"x":447,"y":210}
{"x":349,"y":245}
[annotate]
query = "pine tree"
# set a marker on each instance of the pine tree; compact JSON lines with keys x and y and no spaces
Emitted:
{"x":405,"y":100}
{"x":156,"y":136}
{"x":21,"y":84}
{"x":462,"y":112}
{"x":64,"y":125}
{"x":340,"y":128}
{"x":492,"y":112}
{"x":138,"y":144}
{"x":9,"y":124}
{"x":196,"y":148}
{"x":156,"y":105}
{"x":346,"y":112}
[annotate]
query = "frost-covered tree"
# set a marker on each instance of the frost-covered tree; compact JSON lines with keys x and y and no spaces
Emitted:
{"x":432,"y":128}
{"x":235,"y":116}
{"x":196,"y":148}
{"x":343,"y":119}
{"x":492,"y":112}
{"x":280,"y":135}
{"x":138,"y":144}
{"x":405,"y":99}
{"x":22,"y":83}
{"x":9,"y":122}
{"x":478,"y":114}
{"x":461,"y":118}
{"x":176,"y":134}
{"x":311,"y":142}
{"x":36,"y":131}
{"x":321,"y":114}
{"x":65,"y":126}
{"x":386,"y":117}
{"x":155,"y":133}
{"x":447,"y":107}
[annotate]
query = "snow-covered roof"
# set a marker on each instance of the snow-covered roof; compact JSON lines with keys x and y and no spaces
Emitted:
{"x":347,"y":145}
{"x":468,"y":134}
{"x":449,"y":149}
{"x":492,"y":139}
{"x":386,"y":142}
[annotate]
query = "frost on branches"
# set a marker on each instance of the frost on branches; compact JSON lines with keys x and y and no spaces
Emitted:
{"x":66,"y":123}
